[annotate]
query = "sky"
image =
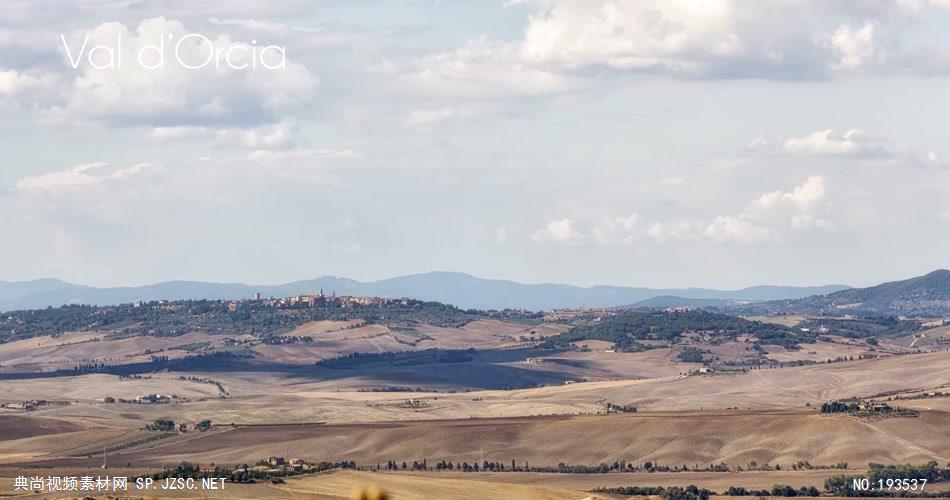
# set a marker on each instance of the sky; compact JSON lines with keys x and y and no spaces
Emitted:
{"x":672,"y":143}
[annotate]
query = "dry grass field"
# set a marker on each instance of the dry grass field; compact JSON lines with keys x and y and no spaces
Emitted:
{"x":329,"y":339}
{"x":674,"y":430}
{"x":933,"y":338}
{"x":483,"y":334}
{"x":290,"y":407}
{"x":317,"y":329}
{"x":819,"y":351}
{"x":332,"y":395}
{"x":95,"y":387}
{"x":692,"y":439}
{"x":66,"y":351}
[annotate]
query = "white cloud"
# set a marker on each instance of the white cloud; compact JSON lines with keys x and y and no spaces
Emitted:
{"x":769,"y":216}
{"x":483,"y":68}
{"x":855,"y":49}
{"x":254,"y":24}
{"x":82,"y":176}
{"x":567,"y":44}
{"x":12,"y":82}
{"x":259,"y":24}
{"x":812,"y":191}
{"x":621,"y":229}
{"x":803,"y":202}
{"x":662,"y":232}
{"x":281,"y":135}
{"x":27,"y":89}
{"x":276,"y":136}
{"x":852,"y":144}
{"x":765,"y":219}
{"x":674,"y":36}
{"x":182,"y":132}
{"x":684,"y":38}
{"x":175,"y":95}
{"x":561,"y":230}
{"x":737,"y":229}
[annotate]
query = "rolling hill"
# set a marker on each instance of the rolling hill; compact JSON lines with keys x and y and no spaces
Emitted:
{"x":927,"y":295}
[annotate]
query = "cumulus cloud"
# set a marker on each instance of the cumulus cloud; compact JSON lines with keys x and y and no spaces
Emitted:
{"x":662,"y":232}
{"x":669,"y":36}
{"x":175,"y":95}
{"x":737,"y":229}
{"x":276,"y":136}
{"x":855,"y":48}
{"x":561,"y":230}
{"x":182,"y":132}
{"x":483,"y":68}
{"x":621,"y":229}
{"x":568,"y":43}
{"x":81,"y":176}
{"x":13,"y":82}
{"x":683,"y":38}
{"x":27,"y":89}
{"x":854,"y":144}
{"x":281,"y":135}
{"x":769,"y":216}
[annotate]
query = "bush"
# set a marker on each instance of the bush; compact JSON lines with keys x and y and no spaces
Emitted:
{"x":162,"y":424}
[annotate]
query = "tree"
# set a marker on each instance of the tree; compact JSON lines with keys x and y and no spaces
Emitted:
{"x":162,"y":424}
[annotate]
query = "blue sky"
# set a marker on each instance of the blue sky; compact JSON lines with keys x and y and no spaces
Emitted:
{"x":656,"y":143}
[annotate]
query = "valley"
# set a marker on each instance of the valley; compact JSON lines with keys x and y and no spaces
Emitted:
{"x":563,"y":402}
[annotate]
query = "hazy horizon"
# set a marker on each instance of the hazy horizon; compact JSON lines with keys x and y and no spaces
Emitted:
{"x":481,"y":277}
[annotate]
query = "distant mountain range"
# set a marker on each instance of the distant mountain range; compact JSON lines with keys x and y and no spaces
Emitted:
{"x":927,"y":295}
{"x":459,"y":289}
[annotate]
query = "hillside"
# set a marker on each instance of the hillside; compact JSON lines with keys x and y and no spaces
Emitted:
{"x":259,"y":318}
{"x":459,"y":289}
{"x":627,"y":329}
{"x":927,"y":295}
